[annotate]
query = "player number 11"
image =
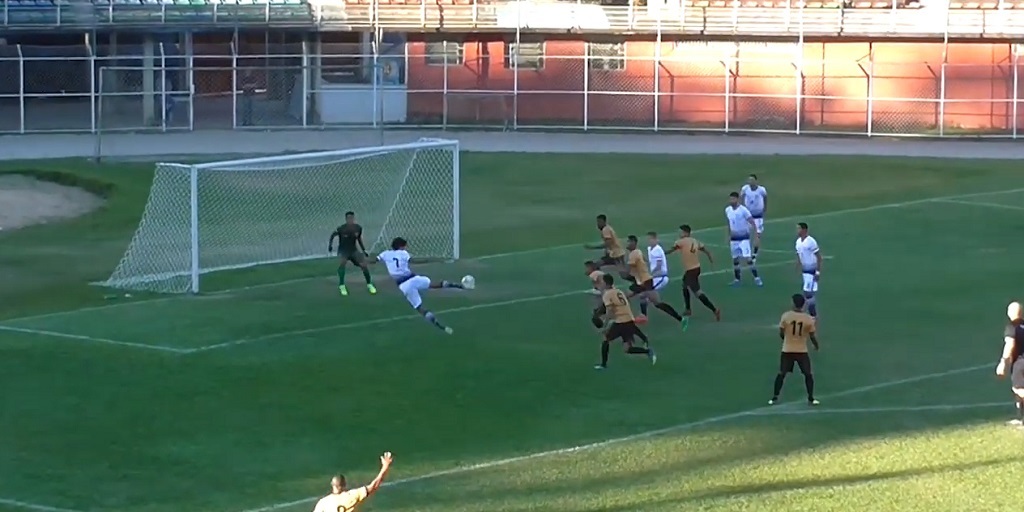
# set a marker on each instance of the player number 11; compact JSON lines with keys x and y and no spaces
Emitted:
{"x":798,"y":328}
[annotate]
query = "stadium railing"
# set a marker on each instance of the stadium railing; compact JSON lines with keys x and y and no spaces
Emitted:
{"x":856,"y":18}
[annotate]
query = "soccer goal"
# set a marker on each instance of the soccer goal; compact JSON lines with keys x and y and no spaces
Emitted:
{"x":237,"y":214}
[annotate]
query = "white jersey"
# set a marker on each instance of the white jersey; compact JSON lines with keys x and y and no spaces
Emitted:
{"x":656,"y":257}
{"x":409,"y":283}
{"x":754,"y":200}
{"x":807,"y":252}
{"x":739,"y":222}
{"x":398,"y":264}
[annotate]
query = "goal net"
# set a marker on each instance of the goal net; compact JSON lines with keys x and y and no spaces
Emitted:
{"x":243,"y":213}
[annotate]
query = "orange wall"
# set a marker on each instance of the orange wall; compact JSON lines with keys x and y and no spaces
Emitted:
{"x":692,"y":82}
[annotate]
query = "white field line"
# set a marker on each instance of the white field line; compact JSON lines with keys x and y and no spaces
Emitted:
{"x":390,"y":319}
{"x":984,"y":204}
{"x":33,"y":506}
{"x":870,"y":410}
{"x":625,"y":439}
{"x":791,"y":218}
{"x":80,"y":337}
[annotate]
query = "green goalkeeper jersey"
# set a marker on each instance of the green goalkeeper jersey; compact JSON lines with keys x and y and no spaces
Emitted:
{"x":348,"y":234}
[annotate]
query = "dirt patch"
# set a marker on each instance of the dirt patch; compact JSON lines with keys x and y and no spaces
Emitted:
{"x":28,"y":201}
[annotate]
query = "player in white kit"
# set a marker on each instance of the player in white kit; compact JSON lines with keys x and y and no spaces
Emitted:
{"x":755,"y":198}
{"x":741,"y":229}
{"x":410,"y":283}
{"x":658,"y":263}
{"x":808,"y":258}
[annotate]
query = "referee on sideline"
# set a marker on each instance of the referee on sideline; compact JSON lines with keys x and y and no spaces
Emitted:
{"x":1012,"y":359}
{"x":345,"y":500}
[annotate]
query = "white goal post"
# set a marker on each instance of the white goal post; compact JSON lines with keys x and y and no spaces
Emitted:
{"x":236,"y":214}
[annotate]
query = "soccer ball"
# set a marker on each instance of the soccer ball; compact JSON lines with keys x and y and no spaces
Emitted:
{"x":468,"y":282}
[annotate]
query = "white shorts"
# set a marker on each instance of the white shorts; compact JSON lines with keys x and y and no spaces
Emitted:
{"x":412,"y":287}
{"x":660,"y":282}
{"x":759,"y":224}
{"x":740,"y":248}
{"x":810,"y":283}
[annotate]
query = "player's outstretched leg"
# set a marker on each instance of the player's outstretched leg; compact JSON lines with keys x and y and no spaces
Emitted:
{"x":643,"y":306}
{"x":445,"y":284}
{"x":430,"y":317}
{"x":736,"y":275}
{"x":605,"y":348}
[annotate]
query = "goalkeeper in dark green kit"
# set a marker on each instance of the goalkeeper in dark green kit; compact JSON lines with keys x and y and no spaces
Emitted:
{"x":349,"y":234}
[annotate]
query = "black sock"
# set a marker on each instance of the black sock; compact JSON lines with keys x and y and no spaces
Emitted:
{"x":779,"y":379}
{"x":686,"y":297}
{"x":643,"y":308}
{"x":707,"y":302}
{"x":643,"y":336}
{"x":809,"y":384}
{"x":736,"y":269}
{"x":670,"y":310}
{"x":754,"y":257}
{"x":638,"y":350}
{"x":753,"y":269}
{"x":605,"y":347}
{"x":597,"y":322}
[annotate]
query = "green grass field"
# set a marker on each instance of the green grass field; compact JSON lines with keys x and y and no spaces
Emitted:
{"x":250,"y":396}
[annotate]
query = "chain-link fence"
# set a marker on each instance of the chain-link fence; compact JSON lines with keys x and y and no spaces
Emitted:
{"x":772,"y":87}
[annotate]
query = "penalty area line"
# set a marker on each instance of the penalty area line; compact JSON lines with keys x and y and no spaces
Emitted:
{"x":983,"y":204}
{"x":390,"y":319}
{"x":894,"y":409}
{"x":92,"y":339}
{"x":33,"y":506}
{"x":635,"y":437}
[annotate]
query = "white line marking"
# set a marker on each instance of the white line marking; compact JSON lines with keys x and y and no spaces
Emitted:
{"x":33,"y":506}
{"x":983,"y":204}
{"x":790,"y":218}
{"x":390,"y":319}
{"x":625,"y":439}
{"x":912,"y":408}
{"x":80,"y":337}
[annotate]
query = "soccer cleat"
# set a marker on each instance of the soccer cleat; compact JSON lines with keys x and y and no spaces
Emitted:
{"x":371,"y":288}
{"x":735,"y":283}
{"x":600,"y":367}
{"x":718,"y":315}
{"x":449,"y":330}
{"x":1015,"y":423}
{"x":685,"y":323}
{"x":773,"y":401}
{"x":758,"y":282}
{"x":813,"y":402}
{"x":641,"y":319}
{"x":652,"y":356}
{"x":344,"y":290}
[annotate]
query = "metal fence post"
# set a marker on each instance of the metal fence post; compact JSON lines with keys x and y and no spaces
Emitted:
{"x":586,"y":85}
{"x":871,"y":88}
{"x":444,"y":84}
{"x":21,"y":89}
{"x":657,"y":68}
{"x":1015,"y":52}
{"x":942,"y":85}
{"x":727,"y":75}
{"x":234,"y":84}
